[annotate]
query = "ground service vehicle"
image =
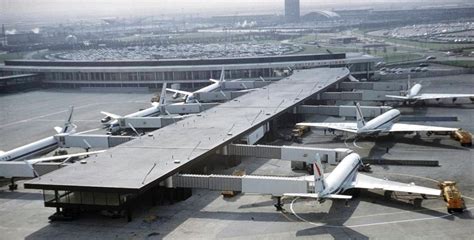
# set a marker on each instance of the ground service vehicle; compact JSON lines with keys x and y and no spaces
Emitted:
{"x":464,"y":137}
{"x":452,"y":196}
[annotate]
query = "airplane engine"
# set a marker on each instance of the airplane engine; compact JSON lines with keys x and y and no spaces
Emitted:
{"x":176,"y":95}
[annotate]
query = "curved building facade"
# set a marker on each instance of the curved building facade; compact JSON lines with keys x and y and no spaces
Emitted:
{"x":190,"y":73}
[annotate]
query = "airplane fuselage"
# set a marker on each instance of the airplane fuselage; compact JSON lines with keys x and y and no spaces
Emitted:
{"x":337,"y":181}
{"x":192,"y":98}
{"x":381,"y":122}
{"x":42,"y":146}
{"x":148,"y":112}
{"x":414,"y":91}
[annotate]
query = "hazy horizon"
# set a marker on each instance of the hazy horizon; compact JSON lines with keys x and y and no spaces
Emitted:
{"x":21,"y":11}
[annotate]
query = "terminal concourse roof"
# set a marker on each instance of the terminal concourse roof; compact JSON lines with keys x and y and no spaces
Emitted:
{"x":144,"y":162}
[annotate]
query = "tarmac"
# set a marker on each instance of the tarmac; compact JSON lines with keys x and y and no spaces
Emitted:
{"x":207,"y":215}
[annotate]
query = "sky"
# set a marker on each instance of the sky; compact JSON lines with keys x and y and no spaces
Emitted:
{"x":12,"y":11}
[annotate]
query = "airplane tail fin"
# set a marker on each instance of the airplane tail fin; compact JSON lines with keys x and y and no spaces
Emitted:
{"x":222,"y":77}
{"x":319,"y":182}
{"x":162,"y":103}
{"x":359,"y":116}
{"x":409,"y":82}
{"x":68,"y":125}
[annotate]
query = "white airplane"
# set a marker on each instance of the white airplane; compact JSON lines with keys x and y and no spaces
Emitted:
{"x":190,"y":97}
{"x":345,"y":176}
{"x":25,"y":168}
{"x":155,"y":110}
{"x":382,"y":124}
{"x":60,"y":157}
{"x":413,"y":94}
{"x":42,"y":146}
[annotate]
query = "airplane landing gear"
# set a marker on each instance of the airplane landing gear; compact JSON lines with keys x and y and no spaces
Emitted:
{"x":13,"y":186}
{"x":279,"y":205}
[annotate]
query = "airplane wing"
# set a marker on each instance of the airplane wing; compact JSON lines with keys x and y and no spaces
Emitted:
{"x":115,"y":116}
{"x":427,"y":96}
{"x":178,"y":91}
{"x":316,"y":195}
{"x":345,"y":127}
{"x":301,"y":195}
{"x":46,"y":159}
{"x":214,"y":80}
{"x":397,"y":97}
{"x":402,"y":127}
{"x":247,"y":90}
{"x":367,"y":182}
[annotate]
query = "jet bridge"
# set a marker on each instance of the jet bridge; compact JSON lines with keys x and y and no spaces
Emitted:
{"x":218,"y":96}
{"x":297,"y":155}
{"x":341,"y":111}
{"x":243,"y":85}
{"x":375,"y":86}
{"x":87,"y":141}
{"x":358,"y":95}
{"x":275,"y":186}
{"x":164,"y":119}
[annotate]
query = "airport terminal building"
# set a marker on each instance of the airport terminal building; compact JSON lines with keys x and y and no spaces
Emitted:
{"x":189,"y":73}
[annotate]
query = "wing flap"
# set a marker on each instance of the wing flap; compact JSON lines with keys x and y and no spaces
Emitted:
{"x":402,"y":127}
{"x":178,"y":91}
{"x":302,"y":195}
{"x":337,"y":196}
{"x":345,"y":127}
{"x":397,"y":97}
{"x":367,"y":182}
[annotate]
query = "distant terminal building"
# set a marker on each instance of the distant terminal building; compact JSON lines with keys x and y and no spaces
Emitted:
{"x":292,"y":10}
{"x":189,"y":73}
{"x":343,"y":40}
{"x":320,"y":15}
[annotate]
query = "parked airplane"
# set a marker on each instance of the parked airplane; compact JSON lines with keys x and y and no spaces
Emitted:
{"x":345,"y":176}
{"x":42,"y":146}
{"x":61,"y":157}
{"x":25,"y":168}
{"x":382,"y":124}
{"x":155,"y":110}
{"x":190,"y":97}
{"x":413,"y":94}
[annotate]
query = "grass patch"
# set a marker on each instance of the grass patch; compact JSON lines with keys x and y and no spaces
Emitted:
{"x":394,"y":57}
{"x":459,"y":63}
{"x":10,"y":56}
{"x":427,"y":45}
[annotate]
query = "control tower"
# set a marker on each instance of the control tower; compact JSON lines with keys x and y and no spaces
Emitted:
{"x":292,"y":10}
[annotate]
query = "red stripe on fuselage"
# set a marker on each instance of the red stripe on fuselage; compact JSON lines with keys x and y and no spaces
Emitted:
{"x":317,"y":168}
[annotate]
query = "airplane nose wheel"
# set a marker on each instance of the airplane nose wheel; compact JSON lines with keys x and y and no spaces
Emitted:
{"x":278,"y":205}
{"x":13,"y":186}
